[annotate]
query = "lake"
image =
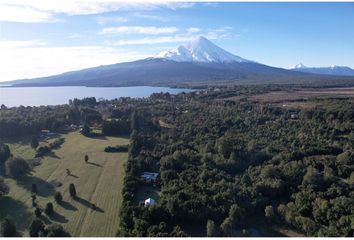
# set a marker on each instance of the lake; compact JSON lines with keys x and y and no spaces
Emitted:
{"x":36,"y":96}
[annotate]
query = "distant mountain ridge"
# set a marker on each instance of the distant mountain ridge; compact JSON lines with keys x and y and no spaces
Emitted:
{"x":199,"y":62}
{"x":332,"y":70}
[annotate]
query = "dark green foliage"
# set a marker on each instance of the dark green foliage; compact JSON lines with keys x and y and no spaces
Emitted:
{"x":86,"y":131}
{"x":34,"y":142}
{"x":56,"y":230}
{"x":17,"y":167}
{"x":49,"y":209}
{"x":58,"y":197}
{"x":4,"y":189}
{"x":72,"y":190}
{"x":119,"y":148}
{"x":38,"y":212}
{"x":4,"y":153}
{"x":7,"y":228}
{"x":36,"y":227}
{"x":34,"y":188}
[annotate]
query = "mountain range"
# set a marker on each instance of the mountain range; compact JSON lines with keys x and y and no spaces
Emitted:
{"x":199,"y":62}
{"x":332,"y":70}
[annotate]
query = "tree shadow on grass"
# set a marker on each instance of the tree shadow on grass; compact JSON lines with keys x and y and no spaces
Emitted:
{"x":68,"y":206}
{"x":88,"y":204}
{"x":44,"y":189}
{"x":53,"y":155}
{"x":94,"y":164}
{"x":58,"y":218}
{"x":15,"y":211}
{"x":45,"y":219}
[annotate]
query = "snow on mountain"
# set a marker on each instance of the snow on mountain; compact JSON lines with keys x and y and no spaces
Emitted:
{"x":332,"y":70}
{"x":200,"y":50}
{"x":298,"y":66}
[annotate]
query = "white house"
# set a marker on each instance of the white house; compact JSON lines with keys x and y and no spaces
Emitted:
{"x":149,"y":176}
{"x":149,"y":202}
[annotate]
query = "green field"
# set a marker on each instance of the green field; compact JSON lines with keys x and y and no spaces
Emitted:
{"x":99,"y":182}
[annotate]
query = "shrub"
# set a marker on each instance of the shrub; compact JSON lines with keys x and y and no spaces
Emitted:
{"x":72,"y":190}
{"x":58,"y":197}
{"x":38,"y":212}
{"x":34,"y":143}
{"x":49,"y":209}
{"x":4,"y":189}
{"x":56,"y":230}
{"x":119,"y":148}
{"x":17,"y":167}
{"x":34,"y":188}
{"x":35,"y":228}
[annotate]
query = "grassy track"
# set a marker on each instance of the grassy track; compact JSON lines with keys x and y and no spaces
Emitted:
{"x":99,"y":182}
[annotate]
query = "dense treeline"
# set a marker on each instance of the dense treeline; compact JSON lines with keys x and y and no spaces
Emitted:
{"x":226,"y":163}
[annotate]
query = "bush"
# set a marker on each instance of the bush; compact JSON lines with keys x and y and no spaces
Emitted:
{"x":56,"y":230}
{"x":72,"y":190}
{"x":211,"y":229}
{"x":269,"y":212}
{"x":36,"y":227}
{"x":119,"y":148}
{"x":38,"y":212}
{"x":58,"y":197}
{"x":17,"y":167}
{"x":34,"y":143}
{"x":7,"y":228}
{"x":34,"y":188}
{"x":49,"y":209}
{"x":4,"y":152}
{"x":4,"y":189}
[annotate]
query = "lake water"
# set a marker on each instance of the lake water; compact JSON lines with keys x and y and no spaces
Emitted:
{"x":36,"y":96}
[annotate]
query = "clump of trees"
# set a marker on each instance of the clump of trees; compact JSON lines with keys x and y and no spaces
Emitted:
{"x":17,"y":167}
{"x":38,"y":229}
{"x":7,"y":228}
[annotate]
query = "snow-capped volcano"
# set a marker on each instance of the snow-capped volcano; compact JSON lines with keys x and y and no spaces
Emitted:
{"x":200,"y":50}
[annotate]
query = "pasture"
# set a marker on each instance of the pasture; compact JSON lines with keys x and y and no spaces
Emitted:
{"x":97,"y":182}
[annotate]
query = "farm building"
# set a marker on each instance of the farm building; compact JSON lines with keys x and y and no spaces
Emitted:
{"x":149,"y":176}
{"x":149,"y":202}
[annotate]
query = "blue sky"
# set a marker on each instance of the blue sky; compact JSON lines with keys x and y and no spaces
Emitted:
{"x":42,"y":37}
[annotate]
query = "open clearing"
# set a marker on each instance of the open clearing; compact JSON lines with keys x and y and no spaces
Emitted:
{"x":299,"y":98}
{"x":99,"y":182}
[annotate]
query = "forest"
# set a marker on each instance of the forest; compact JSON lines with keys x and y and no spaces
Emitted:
{"x":225,"y":166}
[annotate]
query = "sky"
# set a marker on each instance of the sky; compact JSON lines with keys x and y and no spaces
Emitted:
{"x":46,"y":37}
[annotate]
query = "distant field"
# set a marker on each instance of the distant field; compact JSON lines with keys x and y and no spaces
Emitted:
{"x":301,"y":98}
{"x":99,"y":182}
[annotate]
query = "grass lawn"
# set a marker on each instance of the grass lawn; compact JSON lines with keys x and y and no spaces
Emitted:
{"x":99,"y":182}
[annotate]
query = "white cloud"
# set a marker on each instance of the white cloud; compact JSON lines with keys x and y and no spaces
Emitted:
{"x":29,"y":59}
{"x":139,"y":30}
{"x":45,"y":10}
{"x":12,"y":13}
{"x":150,"y":17}
{"x":104,"y":20}
{"x":193,"y":30}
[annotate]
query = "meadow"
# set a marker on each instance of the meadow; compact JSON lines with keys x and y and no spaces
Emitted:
{"x":97,"y":182}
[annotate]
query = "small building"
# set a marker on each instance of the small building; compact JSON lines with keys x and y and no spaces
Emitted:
{"x":149,"y":176}
{"x":149,"y":202}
